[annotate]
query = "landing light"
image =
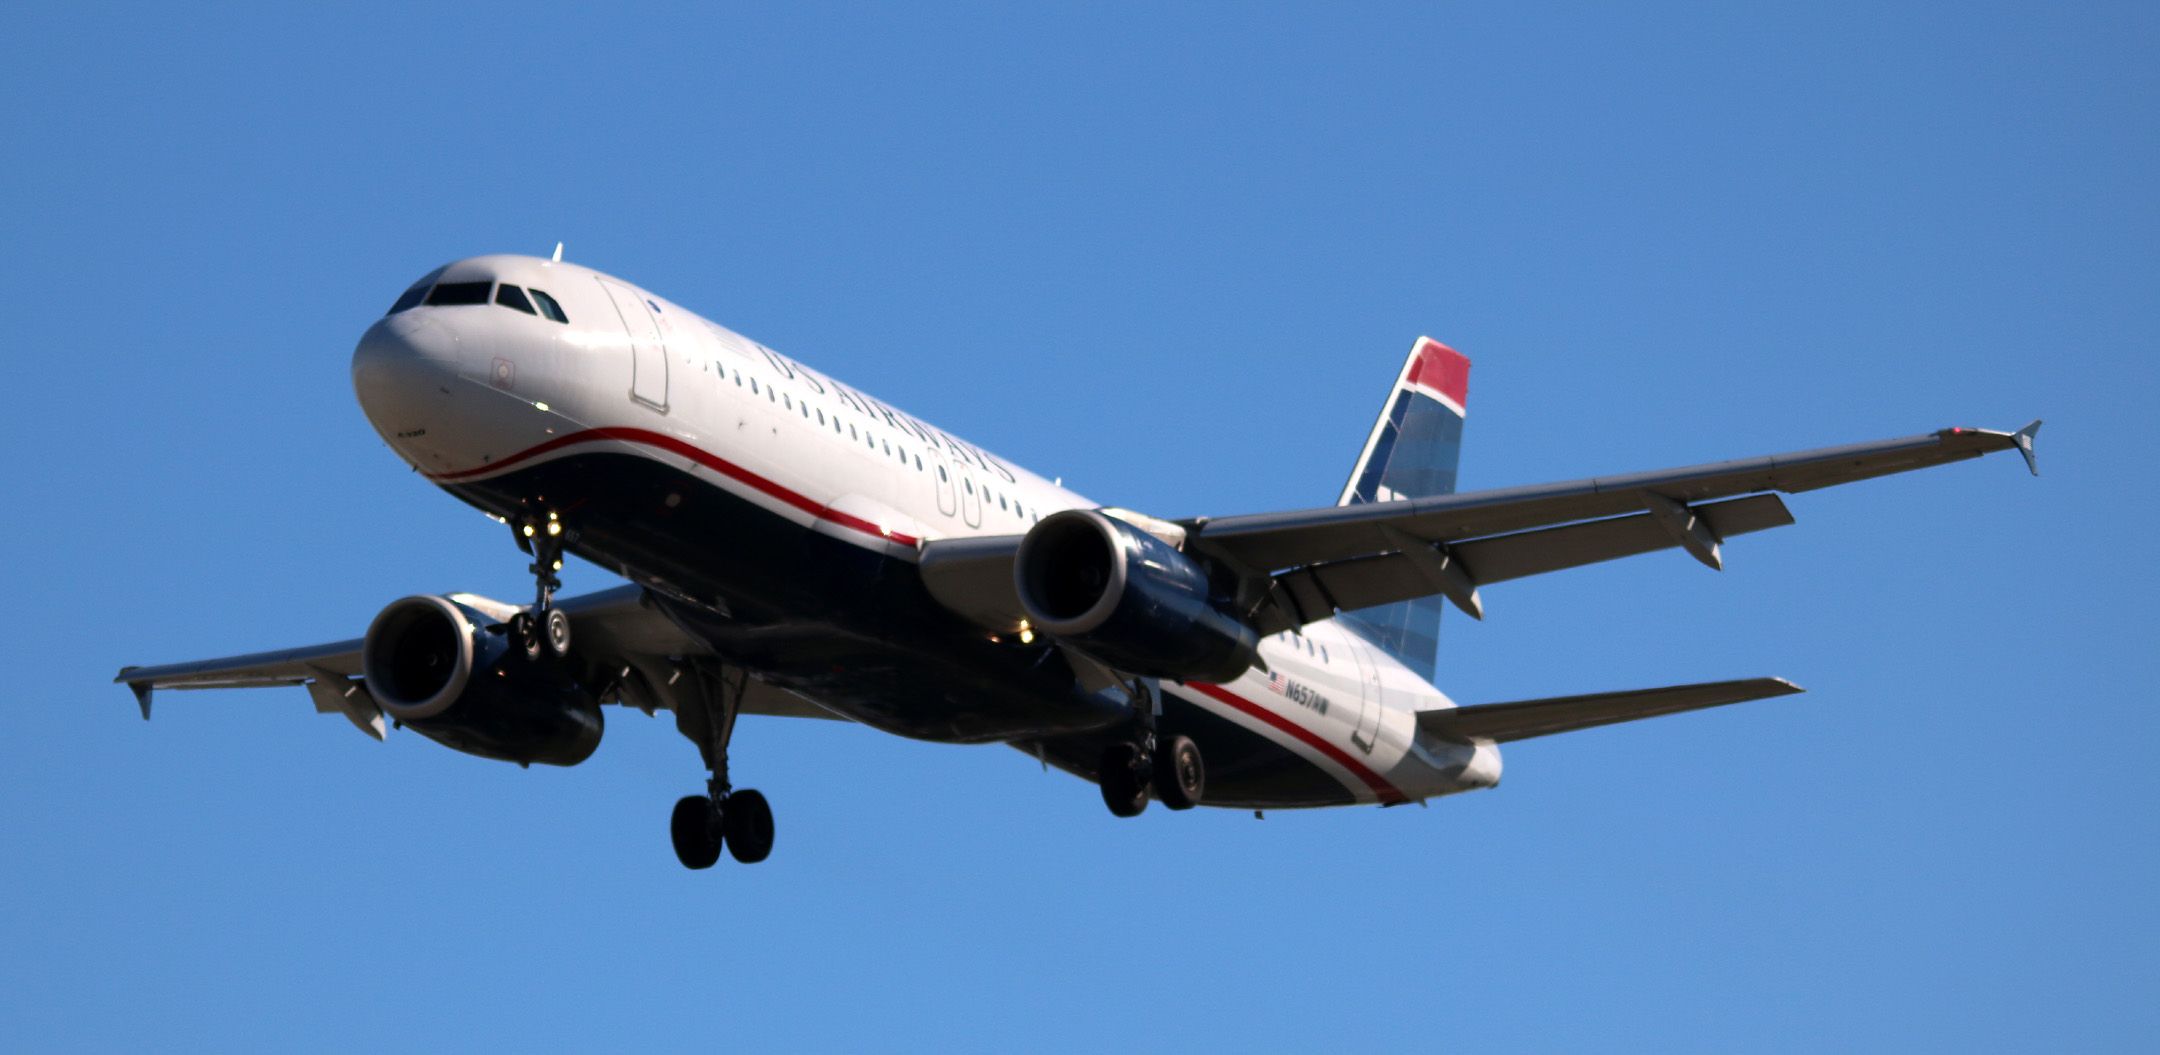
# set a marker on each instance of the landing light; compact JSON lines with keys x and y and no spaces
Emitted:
{"x":554,"y":526}
{"x":539,"y":406}
{"x":1027,"y":633}
{"x":558,"y":565}
{"x":528,"y":531}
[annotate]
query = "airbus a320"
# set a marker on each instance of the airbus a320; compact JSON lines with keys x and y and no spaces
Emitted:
{"x":795,"y":547}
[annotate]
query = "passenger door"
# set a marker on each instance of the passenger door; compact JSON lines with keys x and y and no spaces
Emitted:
{"x":970,"y":501}
{"x":1366,"y":732}
{"x":648,"y":350}
{"x":948,"y":501}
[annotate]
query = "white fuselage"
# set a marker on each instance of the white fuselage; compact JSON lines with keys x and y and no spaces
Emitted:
{"x":464,"y":392}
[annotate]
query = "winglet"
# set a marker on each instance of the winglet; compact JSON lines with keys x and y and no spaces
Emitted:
{"x":142,"y":697}
{"x":2024,"y":440}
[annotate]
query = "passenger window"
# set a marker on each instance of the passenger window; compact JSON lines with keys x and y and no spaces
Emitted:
{"x":461,"y":293}
{"x":510,"y":296}
{"x":821,"y":417}
{"x":753,"y":386}
{"x":1001,"y":502}
{"x":548,"y":307}
{"x":941,"y":473}
{"x":918,"y":463}
{"x":971,"y":486}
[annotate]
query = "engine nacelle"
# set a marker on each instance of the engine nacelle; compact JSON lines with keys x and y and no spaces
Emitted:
{"x":1130,"y":598}
{"x":448,"y":673}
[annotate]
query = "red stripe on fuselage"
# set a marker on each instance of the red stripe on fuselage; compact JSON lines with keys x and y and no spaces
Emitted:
{"x":703,"y":457}
{"x":1387,"y":792}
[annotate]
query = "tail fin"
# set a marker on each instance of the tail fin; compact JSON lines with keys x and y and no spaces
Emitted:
{"x":1412,"y":453}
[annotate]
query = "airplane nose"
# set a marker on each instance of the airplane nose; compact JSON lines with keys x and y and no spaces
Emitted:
{"x":402,"y":370}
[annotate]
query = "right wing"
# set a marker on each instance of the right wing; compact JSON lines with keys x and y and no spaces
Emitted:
{"x":637,"y":643}
{"x":1305,"y":565}
{"x":1347,"y":557}
{"x":1502,"y":722}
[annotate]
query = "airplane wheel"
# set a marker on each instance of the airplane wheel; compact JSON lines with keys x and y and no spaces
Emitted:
{"x":1122,"y":789}
{"x":1180,"y":778}
{"x":697,"y":844}
{"x":748,"y":821}
{"x":558,"y":632}
{"x":526,"y":634}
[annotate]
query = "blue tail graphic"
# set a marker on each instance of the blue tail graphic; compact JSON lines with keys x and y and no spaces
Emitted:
{"x":1412,"y":453}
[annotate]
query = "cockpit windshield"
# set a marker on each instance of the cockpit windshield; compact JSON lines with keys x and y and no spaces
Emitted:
{"x":428,"y":291}
{"x":412,"y":297}
{"x":448,"y":293}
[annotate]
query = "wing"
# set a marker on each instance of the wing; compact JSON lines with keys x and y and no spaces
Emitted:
{"x":1502,"y":722}
{"x":1305,"y":565}
{"x":615,"y":629}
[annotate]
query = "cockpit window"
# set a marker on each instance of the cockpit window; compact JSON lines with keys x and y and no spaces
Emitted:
{"x":461,"y":293}
{"x":510,"y":296}
{"x":412,"y":296}
{"x":548,"y":307}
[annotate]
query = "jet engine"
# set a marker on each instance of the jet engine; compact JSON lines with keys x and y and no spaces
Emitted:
{"x":451,"y":674}
{"x":1129,"y":598}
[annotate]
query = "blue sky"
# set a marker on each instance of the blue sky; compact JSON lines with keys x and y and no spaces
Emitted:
{"x":1172,"y":256}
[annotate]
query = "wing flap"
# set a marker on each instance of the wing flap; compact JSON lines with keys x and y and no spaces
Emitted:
{"x":1316,"y":590}
{"x":1521,"y":720}
{"x":1270,"y":541}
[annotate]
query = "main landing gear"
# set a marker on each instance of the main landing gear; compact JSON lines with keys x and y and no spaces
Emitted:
{"x":546,"y":629}
{"x":1170,"y":768}
{"x":740,"y":821}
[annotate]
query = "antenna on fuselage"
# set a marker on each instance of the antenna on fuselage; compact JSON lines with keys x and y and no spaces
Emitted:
{"x":558,"y":253}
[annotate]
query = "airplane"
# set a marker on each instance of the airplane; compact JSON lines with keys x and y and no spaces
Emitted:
{"x":796,"y":547}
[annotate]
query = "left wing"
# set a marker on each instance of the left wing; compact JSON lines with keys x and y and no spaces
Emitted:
{"x":1305,"y":565}
{"x":614,"y":627}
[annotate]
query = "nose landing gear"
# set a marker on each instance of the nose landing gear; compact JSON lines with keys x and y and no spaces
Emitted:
{"x":545,"y":630}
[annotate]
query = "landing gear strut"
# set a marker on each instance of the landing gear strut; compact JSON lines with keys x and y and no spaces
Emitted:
{"x":1169,"y":768}
{"x":740,"y":821}
{"x":545,"y":629}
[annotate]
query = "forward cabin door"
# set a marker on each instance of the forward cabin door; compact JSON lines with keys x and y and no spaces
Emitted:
{"x":648,"y":349}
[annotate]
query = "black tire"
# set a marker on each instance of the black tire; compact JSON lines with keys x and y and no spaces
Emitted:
{"x":525,"y":634}
{"x":1180,"y":776}
{"x":1122,"y":788}
{"x":748,"y":820}
{"x":697,"y":840}
{"x":556,"y":631}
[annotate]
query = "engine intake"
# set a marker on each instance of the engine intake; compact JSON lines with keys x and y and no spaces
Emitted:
{"x":450,"y":674}
{"x":1130,"y":598}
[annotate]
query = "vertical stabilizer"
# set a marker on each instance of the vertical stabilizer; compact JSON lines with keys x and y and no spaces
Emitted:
{"x":1411,"y":453}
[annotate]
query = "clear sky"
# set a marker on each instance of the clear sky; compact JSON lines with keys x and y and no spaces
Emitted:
{"x":1172,"y":257}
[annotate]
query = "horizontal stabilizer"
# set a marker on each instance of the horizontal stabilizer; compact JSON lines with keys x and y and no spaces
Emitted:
{"x":1521,"y":720}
